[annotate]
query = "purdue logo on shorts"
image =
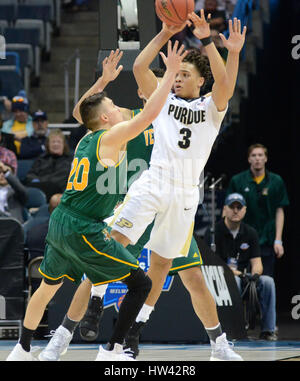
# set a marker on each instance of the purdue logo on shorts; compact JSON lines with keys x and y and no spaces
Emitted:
{"x":123,"y":223}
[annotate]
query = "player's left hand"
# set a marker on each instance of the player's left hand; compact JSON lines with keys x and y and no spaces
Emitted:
{"x":279,"y":250}
{"x":175,"y":56}
{"x":236,"y":39}
{"x":202,"y":29}
{"x":110,"y":65}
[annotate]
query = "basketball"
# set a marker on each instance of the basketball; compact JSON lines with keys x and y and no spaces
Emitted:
{"x":174,"y":12}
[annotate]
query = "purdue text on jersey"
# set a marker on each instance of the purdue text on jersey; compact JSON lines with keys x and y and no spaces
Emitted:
{"x":186,"y":115}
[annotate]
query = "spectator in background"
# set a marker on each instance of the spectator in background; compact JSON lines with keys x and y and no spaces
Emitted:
{"x":13,"y":194}
{"x":37,"y":229}
{"x":223,"y":5}
{"x":76,"y":5}
{"x":7,"y":156}
{"x":34,"y":145}
{"x":218,"y":19}
{"x":21,"y":123}
{"x":50,"y":171}
{"x":5,"y":108}
{"x":219,"y":45}
{"x":218,"y":24}
{"x":237,"y":244}
{"x":266,"y":197}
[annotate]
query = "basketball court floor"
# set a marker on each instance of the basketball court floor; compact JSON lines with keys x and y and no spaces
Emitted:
{"x":257,"y":350}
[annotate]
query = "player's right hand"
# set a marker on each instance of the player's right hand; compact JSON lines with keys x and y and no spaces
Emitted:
{"x":109,"y":65}
{"x":173,"y":29}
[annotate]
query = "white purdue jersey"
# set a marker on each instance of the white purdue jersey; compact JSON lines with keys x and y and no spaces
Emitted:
{"x":184,"y":133}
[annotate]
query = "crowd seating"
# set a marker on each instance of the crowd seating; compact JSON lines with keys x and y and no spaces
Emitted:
{"x":27,"y":26}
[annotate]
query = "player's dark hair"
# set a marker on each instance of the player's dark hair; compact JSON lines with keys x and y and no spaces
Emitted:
{"x":88,"y":108}
{"x":201,"y":63}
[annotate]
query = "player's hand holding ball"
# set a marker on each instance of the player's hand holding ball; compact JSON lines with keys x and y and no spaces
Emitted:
{"x":174,"y":14}
{"x":201,"y":25}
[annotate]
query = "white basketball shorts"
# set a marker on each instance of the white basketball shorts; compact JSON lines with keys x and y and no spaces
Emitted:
{"x":172,"y":207}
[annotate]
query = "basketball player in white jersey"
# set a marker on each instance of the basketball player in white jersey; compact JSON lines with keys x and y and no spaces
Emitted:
{"x":184,"y":134}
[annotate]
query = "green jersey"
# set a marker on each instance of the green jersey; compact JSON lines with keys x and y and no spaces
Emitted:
{"x":93,"y":189}
{"x":262,"y":201}
{"x":139,"y":152}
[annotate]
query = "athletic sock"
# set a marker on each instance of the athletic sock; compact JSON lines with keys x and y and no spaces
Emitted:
{"x":144,"y":313}
{"x":99,"y":291}
{"x":214,"y":332}
{"x":25,"y":338}
{"x":69,"y":324}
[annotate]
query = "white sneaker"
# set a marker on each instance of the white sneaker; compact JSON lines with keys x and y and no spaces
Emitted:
{"x":117,"y":354}
{"x":57,"y":346}
{"x":222,"y":350}
{"x":19,"y":354}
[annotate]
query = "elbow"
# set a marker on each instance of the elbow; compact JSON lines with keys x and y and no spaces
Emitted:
{"x":76,"y":115}
{"x":137,"y":67}
{"x":151,"y":115}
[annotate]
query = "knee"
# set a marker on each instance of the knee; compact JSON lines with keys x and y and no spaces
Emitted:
{"x":46,"y":291}
{"x":160,"y":264}
{"x":193,"y":280}
{"x":139,"y":280}
{"x":267,"y":281}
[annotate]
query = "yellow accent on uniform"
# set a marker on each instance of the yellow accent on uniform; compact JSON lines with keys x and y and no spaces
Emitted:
{"x":192,"y":264}
{"x":118,"y":210}
{"x":106,"y":255}
{"x":259,"y":179}
{"x":97,"y":150}
{"x":110,"y":281}
{"x":98,"y":155}
{"x":185,"y":250}
{"x":62,"y":276}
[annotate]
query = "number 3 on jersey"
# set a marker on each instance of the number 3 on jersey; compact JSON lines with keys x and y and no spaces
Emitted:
{"x":79,"y":183}
{"x":185,"y":142}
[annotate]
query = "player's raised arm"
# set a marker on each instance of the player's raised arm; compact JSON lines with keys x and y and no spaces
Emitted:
{"x":127,"y":130}
{"x":222,"y":88}
{"x":146,"y":80}
{"x":234,"y":45}
{"x":110,"y":72}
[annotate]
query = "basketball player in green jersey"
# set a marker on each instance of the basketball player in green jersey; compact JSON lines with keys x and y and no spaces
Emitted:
{"x":139,"y":152}
{"x":77,"y":241}
{"x":205,"y":310}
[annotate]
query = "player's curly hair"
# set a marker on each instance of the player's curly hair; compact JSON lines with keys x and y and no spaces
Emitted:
{"x":201,"y":63}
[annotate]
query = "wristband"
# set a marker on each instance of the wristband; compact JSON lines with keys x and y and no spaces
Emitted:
{"x":205,"y":41}
{"x":277,"y":242}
